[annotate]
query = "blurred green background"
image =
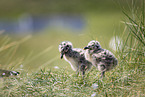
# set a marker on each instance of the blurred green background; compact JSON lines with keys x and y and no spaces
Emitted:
{"x":31,"y":30}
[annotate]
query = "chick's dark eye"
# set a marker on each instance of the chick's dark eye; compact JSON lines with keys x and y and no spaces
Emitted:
{"x":97,"y":46}
{"x":67,"y":47}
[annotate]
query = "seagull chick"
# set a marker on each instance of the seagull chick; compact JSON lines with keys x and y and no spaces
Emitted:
{"x":102,"y":59}
{"x":75,"y":57}
{"x":7,"y":73}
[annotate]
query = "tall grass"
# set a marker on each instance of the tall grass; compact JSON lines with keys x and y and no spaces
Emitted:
{"x":127,"y":79}
{"x":135,"y":41}
{"x":8,"y":49}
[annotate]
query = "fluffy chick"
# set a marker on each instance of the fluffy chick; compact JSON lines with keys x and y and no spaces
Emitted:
{"x":101,"y":58}
{"x":7,"y":73}
{"x":75,"y":57}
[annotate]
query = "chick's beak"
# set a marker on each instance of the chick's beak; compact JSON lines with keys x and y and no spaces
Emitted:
{"x":61,"y":55}
{"x":86,"y":48}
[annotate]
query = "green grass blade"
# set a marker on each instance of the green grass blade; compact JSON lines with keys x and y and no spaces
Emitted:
{"x":136,"y":36}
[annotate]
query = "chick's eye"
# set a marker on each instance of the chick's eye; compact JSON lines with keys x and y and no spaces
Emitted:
{"x":97,"y":46}
{"x":67,"y":47}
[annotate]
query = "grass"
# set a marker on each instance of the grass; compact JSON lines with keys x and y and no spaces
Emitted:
{"x":119,"y":82}
{"x":126,"y":80}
